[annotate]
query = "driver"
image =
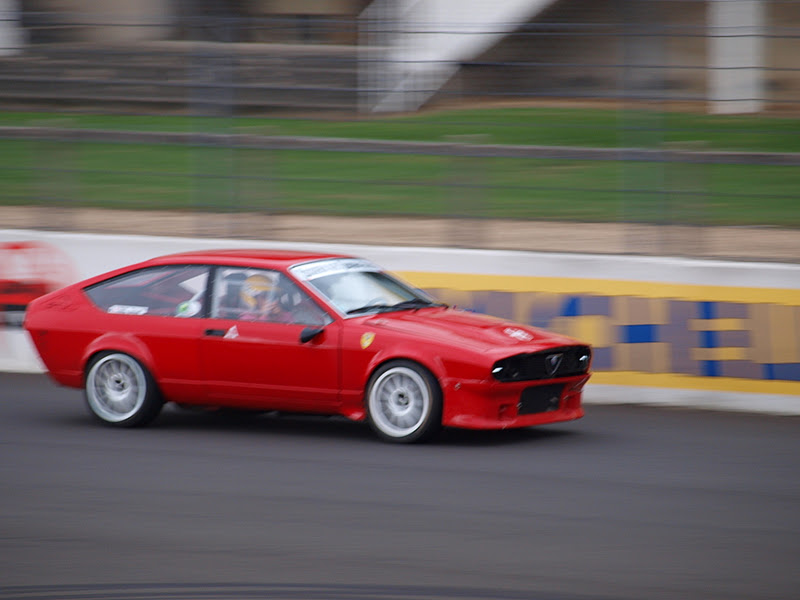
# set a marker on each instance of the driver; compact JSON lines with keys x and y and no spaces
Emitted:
{"x":262,"y":298}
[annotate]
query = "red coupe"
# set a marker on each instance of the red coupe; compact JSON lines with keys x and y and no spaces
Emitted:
{"x":299,"y":332}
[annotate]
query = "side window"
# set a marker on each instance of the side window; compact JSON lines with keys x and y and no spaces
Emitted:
{"x":263,"y":295}
{"x":177,"y":291}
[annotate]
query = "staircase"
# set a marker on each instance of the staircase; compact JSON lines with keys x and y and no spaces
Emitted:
{"x":424,"y":42}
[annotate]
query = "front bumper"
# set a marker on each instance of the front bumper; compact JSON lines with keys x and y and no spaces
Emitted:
{"x":491,"y":404}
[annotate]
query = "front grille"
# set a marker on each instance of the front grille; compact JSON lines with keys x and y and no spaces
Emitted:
{"x":547,"y":364}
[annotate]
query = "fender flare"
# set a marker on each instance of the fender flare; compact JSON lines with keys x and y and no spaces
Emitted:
{"x":120,"y":342}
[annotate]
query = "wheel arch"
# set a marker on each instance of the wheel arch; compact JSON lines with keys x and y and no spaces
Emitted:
{"x":127,"y":344}
{"x":434,"y":366}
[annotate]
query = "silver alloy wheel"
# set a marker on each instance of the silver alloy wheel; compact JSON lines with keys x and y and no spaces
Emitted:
{"x":399,"y":402}
{"x":116,"y":387}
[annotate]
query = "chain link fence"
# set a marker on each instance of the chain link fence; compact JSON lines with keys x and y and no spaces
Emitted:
{"x":625,"y":126}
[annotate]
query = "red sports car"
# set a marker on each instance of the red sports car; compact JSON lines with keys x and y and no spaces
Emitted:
{"x":299,"y":332}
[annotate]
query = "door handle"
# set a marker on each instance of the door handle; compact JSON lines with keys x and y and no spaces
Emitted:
{"x":215,"y":332}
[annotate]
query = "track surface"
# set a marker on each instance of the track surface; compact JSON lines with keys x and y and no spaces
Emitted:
{"x":629,"y":503}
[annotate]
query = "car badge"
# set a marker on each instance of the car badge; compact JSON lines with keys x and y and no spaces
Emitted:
{"x":232,"y":333}
{"x":552,"y":362}
{"x":367,"y":339}
{"x":518,"y":334}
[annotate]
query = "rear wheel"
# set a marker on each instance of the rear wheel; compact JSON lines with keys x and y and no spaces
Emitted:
{"x":120,"y":391}
{"x":404,"y":402}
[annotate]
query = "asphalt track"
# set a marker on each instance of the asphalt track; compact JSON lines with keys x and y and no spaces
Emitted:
{"x":629,"y":503}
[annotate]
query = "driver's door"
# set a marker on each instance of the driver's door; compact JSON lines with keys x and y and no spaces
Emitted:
{"x":258,"y":361}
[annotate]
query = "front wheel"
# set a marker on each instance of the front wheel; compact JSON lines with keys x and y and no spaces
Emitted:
{"x":120,"y":391}
{"x":404,"y":402}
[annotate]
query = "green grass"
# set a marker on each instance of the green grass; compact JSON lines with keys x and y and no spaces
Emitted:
{"x":544,"y":126}
{"x":145,"y":176}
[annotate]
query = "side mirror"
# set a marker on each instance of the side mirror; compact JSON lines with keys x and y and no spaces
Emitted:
{"x":309,"y":333}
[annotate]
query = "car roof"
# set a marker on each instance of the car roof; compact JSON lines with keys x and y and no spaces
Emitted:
{"x":246,"y":256}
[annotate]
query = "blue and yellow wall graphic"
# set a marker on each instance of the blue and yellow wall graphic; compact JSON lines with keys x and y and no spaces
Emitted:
{"x":651,"y":334}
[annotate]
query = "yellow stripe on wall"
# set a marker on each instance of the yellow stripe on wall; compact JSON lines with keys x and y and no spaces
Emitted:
{"x":722,"y":353}
{"x":592,"y":329}
{"x":784,"y":334}
{"x":718,"y":325}
{"x":602,"y":287}
{"x":760,"y":335}
{"x":690,"y":382}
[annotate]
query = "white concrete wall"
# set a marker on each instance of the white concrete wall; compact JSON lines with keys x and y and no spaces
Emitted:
{"x":92,"y":254}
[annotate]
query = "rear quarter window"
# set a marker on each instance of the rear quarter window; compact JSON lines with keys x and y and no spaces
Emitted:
{"x":177,"y":291}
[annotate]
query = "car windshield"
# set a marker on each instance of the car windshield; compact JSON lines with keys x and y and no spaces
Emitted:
{"x":356,"y":286}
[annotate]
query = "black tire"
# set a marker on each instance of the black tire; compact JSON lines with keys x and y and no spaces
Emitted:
{"x":120,"y":391}
{"x":404,"y":402}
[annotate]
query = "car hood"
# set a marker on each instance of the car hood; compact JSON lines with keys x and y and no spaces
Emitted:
{"x":474,"y":331}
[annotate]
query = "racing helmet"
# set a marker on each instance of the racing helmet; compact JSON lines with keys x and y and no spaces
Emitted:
{"x":254,"y":287}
